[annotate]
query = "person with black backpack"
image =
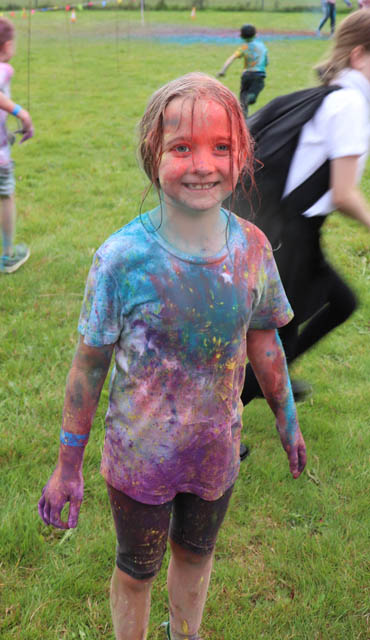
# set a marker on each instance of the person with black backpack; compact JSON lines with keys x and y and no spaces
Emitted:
{"x":318,"y":142}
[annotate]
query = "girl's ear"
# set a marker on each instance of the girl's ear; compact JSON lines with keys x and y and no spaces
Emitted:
{"x":357,"y":57}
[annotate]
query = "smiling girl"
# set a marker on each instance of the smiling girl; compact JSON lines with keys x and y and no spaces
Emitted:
{"x":174,"y":294}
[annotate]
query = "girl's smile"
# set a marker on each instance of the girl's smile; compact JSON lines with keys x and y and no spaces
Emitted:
{"x":199,"y":165}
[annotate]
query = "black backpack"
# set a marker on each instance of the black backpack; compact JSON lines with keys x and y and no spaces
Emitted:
{"x":276,"y":128}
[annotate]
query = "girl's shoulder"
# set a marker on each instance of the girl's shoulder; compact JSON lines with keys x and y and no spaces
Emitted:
{"x":251,"y":232}
{"x":6,"y":72}
{"x":130,"y":242}
{"x":346,"y":100}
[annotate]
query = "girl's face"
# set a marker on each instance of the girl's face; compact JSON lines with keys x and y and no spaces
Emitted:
{"x":366,"y":65}
{"x":8,"y":50}
{"x":199,"y":166}
{"x":360,"y":60}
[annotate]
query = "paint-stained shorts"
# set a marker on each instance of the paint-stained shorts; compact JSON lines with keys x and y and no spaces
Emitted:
{"x":142,"y":529}
{"x":7,"y":182}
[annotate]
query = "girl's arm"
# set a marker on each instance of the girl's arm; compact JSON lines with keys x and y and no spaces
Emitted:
{"x":84,"y":384}
{"x":267,"y":358}
{"x":9,"y":106}
{"x":346,"y":195}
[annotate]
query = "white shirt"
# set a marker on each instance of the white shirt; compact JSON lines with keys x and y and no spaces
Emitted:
{"x":6,"y":72}
{"x":339,"y":128}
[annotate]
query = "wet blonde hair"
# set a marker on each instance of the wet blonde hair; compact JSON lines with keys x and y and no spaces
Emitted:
{"x":194,"y":86}
{"x":354,"y":31}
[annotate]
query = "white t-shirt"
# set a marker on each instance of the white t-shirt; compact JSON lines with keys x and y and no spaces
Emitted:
{"x":339,"y":128}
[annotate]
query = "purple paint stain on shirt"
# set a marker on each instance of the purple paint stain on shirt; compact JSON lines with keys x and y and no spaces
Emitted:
{"x":174,"y":416}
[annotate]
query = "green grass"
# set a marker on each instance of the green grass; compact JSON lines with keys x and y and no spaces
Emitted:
{"x":293,"y":556}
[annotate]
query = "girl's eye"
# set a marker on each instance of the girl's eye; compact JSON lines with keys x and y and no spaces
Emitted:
{"x":225,"y":148}
{"x":182,"y":148}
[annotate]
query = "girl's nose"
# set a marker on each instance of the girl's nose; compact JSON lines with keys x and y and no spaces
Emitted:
{"x":202,"y":161}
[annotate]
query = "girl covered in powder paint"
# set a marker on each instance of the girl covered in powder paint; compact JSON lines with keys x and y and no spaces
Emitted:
{"x":174,"y":294}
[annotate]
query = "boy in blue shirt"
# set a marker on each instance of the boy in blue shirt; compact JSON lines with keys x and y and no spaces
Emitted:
{"x":254,"y":54}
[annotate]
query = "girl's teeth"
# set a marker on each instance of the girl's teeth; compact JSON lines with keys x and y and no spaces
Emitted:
{"x":201,"y":186}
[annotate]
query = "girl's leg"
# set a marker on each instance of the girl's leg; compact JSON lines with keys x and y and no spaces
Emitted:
{"x":245,"y":82}
{"x":188,"y":580}
{"x":194,"y":528}
{"x":341,"y":303}
{"x":333,"y":12}
{"x":326,"y":16}
{"x":142,"y":532}
{"x":130,"y":605}
{"x":8,"y":216}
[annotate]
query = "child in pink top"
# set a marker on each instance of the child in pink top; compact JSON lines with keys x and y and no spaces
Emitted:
{"x":13,"y":256}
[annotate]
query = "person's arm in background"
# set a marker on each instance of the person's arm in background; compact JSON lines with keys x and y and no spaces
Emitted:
{"x":267,"y":358}
{"x":346,"y":195}
{"x":227,"y":64}
{"x":6,"y":104}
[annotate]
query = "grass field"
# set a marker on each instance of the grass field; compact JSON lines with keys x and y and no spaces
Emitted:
{"x":292,"y":560}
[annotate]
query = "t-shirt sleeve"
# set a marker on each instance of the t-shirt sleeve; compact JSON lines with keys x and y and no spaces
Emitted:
{"x":101,"y":315}
{"x":239,"y":52}
{"x":6,"y":72}
{"x":272,"y":309}
{"x":347,"y":125}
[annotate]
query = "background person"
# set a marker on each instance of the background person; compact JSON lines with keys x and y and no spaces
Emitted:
{"x":340,"y":132}
{"x":330,"y":13}
{"x":13,"y":256}
{"x":255,"y":58}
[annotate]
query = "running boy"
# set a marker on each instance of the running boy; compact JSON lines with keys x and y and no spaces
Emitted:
{"x":254,"y":54}
{"x":173,"y":294}
{"x":12,"y":256}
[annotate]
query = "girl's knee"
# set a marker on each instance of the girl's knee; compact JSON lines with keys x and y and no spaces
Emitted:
{"x":187,"y":556}
{"x":135,"y":585}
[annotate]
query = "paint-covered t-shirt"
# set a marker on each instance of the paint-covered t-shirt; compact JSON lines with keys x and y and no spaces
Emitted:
{"x":6,"y":73}
{"x":254,"y":54}
{"x":179,"y":325}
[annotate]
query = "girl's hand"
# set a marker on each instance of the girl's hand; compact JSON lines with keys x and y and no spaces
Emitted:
{"x":295,"y":448}
{"x":27,"y":127}
{"x":65,"y":485}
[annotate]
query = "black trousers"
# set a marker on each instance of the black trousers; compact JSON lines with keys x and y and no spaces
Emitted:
{"x":251,"y":85}
{"x":318,"y":295}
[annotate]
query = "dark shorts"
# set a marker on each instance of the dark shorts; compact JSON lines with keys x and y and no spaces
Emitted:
{"x":251,"y":85}
{"x":7,"y":182}
{"x":142,"y":529}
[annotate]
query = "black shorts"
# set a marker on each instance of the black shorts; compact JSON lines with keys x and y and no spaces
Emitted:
{"x":142,"y":529}
{"x":251,"y":85}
